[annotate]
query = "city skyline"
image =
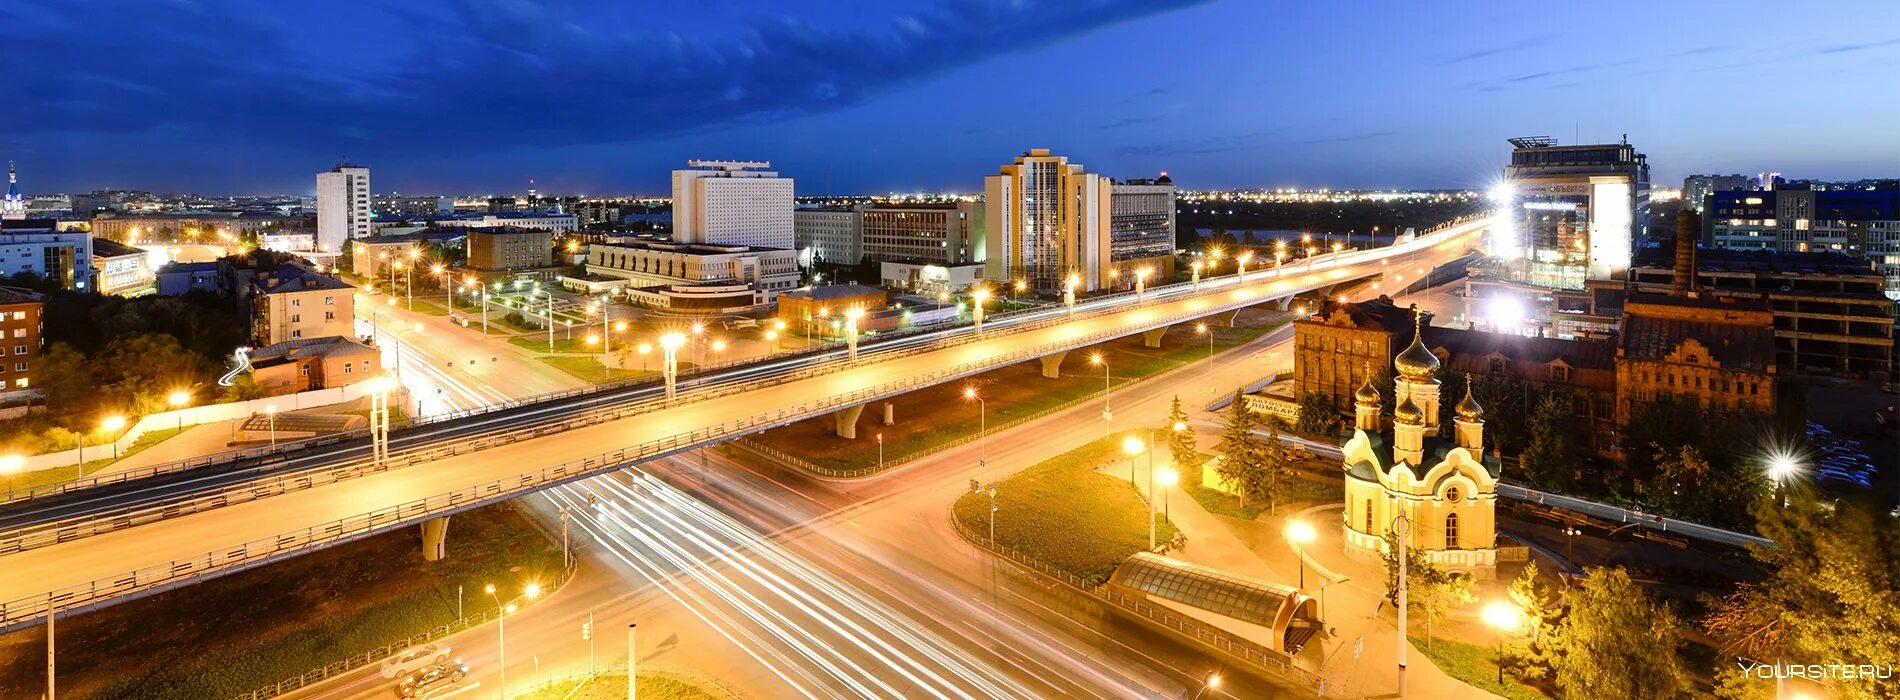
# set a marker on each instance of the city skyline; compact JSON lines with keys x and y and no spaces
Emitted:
{"x":872,"y":97}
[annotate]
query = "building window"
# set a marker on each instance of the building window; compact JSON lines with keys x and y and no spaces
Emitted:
{"x":294,"y":302}
{"x":329,"y":315}
{"x":19,"y":349}
{"x":329,"y":301}
{"x":19,"y":366}
{"x":306,"y":370}
{"x":1451,"y":531}
{"x":19,"y":315}
{"x":1368,"y":516}
{"x":19,"y":332}
{"x":1559,"y":373}
{"x":296,"y":334}
{"x":19,"y":383}
{"x":1497,"y":365}
{"x":346,"y":368}
{"x":296,"y":318}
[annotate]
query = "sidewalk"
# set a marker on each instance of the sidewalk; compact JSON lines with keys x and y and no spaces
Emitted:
{"x":1350,"y":607}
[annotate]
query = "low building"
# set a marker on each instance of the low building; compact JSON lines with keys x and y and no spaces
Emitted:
{"x":288,"y":241}
{"x":308,"y":364}
{"x":927,"y":278}
{"x":193,"y":226}
{"x":1717,"y":352}
{"x":395,"y":206}
{"x":178,"y":279}
{"x":41,"y":247}
{"x":293,"y":302}
{"x":122,"y":269}
{"x":695,"y":276}
{"x":21,"y":323}
{"x":813,"y":308}
{"x":510,"y":248}
{"x":539,"y":221}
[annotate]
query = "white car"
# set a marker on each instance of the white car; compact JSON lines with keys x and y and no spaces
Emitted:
{"x":414,"y":658}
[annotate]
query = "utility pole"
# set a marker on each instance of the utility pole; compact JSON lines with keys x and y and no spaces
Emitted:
{"x":1403,"y":528}
{"x":50,"y":692}
{"x":631,"y":660}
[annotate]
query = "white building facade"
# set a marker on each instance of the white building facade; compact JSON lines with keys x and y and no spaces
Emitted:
{"x":720,"y":202}
{"x":343,"y":206}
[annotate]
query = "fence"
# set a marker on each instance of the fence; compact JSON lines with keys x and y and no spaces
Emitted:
{"x":338,"y":668}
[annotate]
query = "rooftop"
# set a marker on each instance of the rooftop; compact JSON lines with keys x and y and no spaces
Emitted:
{"x":1758,"y":261}
{"x":834,"y":291}
{"x":291,"y":277}
{"x":302,"y":348}
{"x":16,"y":295}
{"x":108,"y":248}
{"x":1748,"y":346}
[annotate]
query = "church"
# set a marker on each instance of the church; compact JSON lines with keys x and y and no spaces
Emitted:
{"x":1445,"y":489}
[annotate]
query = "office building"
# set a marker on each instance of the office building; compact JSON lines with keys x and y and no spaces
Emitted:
{"x":13,"y":205}
{"x":292,"y":302}
{"x":40,"y":247}
{"x":732,"y":203}
{"x":1141,"y":229}
{"x":122,"y":269}
{"x":414,"y":208}
{"x":693,"y":277}
{"x":20,"y":329}
{"x":1047,"y":221}
{"x":1572,"y":213}
{"x":940,"y":234}
{"x":1696,"y":189}
{"x":509,"y":248}
{"x":192,"y":226}
{"x":343,"y":206}
{"x":830,"y":235}
{"x":1857,"y":222}
{"x":539,"y":221}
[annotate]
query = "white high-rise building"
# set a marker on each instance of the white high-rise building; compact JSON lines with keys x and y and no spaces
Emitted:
{"x":1047,"y":220}
{"x":343,"y":206}
{"x":723,"y":202}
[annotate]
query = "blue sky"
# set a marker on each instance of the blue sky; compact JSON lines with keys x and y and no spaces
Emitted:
{"x":599,"y":97}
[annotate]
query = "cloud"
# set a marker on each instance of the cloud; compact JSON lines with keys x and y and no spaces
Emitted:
{"x":476,"y":75}
{"x":1129,"y":121}
{"x":1518,"y":45}
{"x":1847,"y":48}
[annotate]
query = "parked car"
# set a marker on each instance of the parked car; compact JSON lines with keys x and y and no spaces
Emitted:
{"x":431,"y":679}
{"x":414,"y":658}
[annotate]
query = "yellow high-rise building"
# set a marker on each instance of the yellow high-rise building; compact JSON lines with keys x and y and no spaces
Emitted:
{"x":1047,"y":222}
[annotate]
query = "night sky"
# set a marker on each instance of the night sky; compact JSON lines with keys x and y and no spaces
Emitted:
{"x":597,"y":97}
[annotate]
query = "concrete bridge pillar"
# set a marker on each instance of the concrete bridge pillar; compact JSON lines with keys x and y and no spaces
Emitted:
{"x":1153,"y":338}
{"x":890,"y":413}
{"x":1052,"y":365}
{"x":1230,"y":318}
{"x":1284,"y":303}
{"x":435,"y":539}
{"x":847,"y":421}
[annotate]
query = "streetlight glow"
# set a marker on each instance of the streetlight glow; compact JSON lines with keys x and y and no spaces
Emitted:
{"x":672,"y":341}
{"x":1300,"y":532}
{"x":1132,"y":445}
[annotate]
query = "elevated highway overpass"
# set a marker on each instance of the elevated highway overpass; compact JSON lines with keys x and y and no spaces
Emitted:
{"x":203,"y":528}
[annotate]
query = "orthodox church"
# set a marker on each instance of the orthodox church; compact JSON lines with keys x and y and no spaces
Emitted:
{"x":12,"y":206}
{"x":1446,"y":490}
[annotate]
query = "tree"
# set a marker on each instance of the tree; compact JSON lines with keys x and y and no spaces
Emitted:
{"x":66,"y":379}
{"x":1430,"y":589}
{"x":1181,"y":442}
{"x":1548,"y":460}
{"x":1614,"y":642}
{"x":1528,"y":653}
{"x":1275,"y":475}
{"x":1243,"y":459}
{"x":1688,"y":486}
{"x":1827,"y":596}
{"x":1318,"y":415}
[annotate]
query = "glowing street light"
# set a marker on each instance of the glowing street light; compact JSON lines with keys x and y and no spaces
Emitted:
{"x":112,"y":425}
{"x":1167,"y":477}
{"x":1196,"y":267}
{"x":1212,"y":680}
{"x":12,"y":464}
{"x":1505,"y":618}
{"x":1141,"y":282}
{"x":851,"y":316}
{"x":1240,"y":270}
{"x":1108,"y":417}
{"x":669,"y":367}
{"x":1782,"y":465}
{"x":1301,"y":534}
{"x":1068,"y":292}
{"x":982,"y":427}
{"x":979,"y":295}
{"x":179,"y":400}
{"x":529,"y":592}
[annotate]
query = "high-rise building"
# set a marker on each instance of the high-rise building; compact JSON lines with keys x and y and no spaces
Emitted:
{"x":1697,"y":188}
{"x":13,"y":206}
{"x":1141,"y":228}
{"x":343,"y":206}
{"x":733,"y":203}
{"x":943,"y":234}
{"x":1047,"y":220}
{"x":1573,"y":213}
{"x":829,"y":234}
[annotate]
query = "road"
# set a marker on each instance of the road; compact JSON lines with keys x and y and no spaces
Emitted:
{"x":100,"y":561}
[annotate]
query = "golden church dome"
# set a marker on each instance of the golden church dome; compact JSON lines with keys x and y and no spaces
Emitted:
{"x":1468,"y":409}
{"x":1416,"y":363}
{"x":1408,"y":413}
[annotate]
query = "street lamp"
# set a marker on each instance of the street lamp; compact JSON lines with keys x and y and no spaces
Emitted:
{"x":1301,"y":534}
{"x":271,"y":413}
{"x":112,"y":425}
{"x":530,"y":592}
{"x":979,"y":296}
{"x":1781,"y":466}
{"x":1202,"y":329}
{"x":1168,"y":477}
{"x":1505,"y":618}
{"x":1068,"y":292}
{"x":1196,"y":266}
{"x":1212,"y":680}
{"x":1240,"y":269}
{"x":982,"y":428}
{"x":851,"y":316}
{"x":1141,"y":282}
{"x":12,"y":464}
{"x":669,"y":364}
{"x":1108,"y":417}
{"x":179,"y":399}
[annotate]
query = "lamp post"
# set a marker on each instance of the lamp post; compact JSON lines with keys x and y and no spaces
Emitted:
{"x":531,"y":591}
{"x":982,"y":429}
{"x":669,"y":363}
{"x":851,"y":317}
{"x":1141,"y":282}
{"x":550,"y":319}
{"x":1781,"y":466}
{"x":880,"y":451}
{"x":1504,"y":617}
{"x":112,"y":424}
{"x":1068,"y":293}
{"x":180,"y":399}
{"x":1108,"y":417}
{"x":1570,"y":541}
{"x":1203,"y":329}
{"x":270,"y":412}
{"x":1300,"y":534}
{"x":993,"y":509}
{"x":978,"y":296}
{"x":1168,"y":478}
{"x":1196,"y":266}
{"x":1402,"y":528}
{"x":1240,"y":265}
{"x":1211,"y":681}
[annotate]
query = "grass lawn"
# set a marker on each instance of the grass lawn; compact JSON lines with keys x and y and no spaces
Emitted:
{"x":55,"y":475}
{"x":539,"y":343}
{"x":397,"y":417}
{"x":1066,"y":514}
{"x":1475,"y":664}
{"x":935,"y":415}
{"x":496,"y":318}
{"x":426,"y":307}
{"x":233,"y":634}
{"x":588,"y":368}
{"x":613,"y":686}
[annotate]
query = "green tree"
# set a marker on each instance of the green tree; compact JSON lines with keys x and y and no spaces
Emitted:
{"x":1243,"y":458}
{"x":1828,"y":595}
{"x":1275,"y":475}
{"x":1431,"y":590}
{"x":1318,"y":415}
{"x":66,"y":379}
{"x":1548,"y":461}
{"x":1688,"y":486}
{"x":1528,"y":652}
{"x":1180,"y":442}
{"x":1614,"y":642}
